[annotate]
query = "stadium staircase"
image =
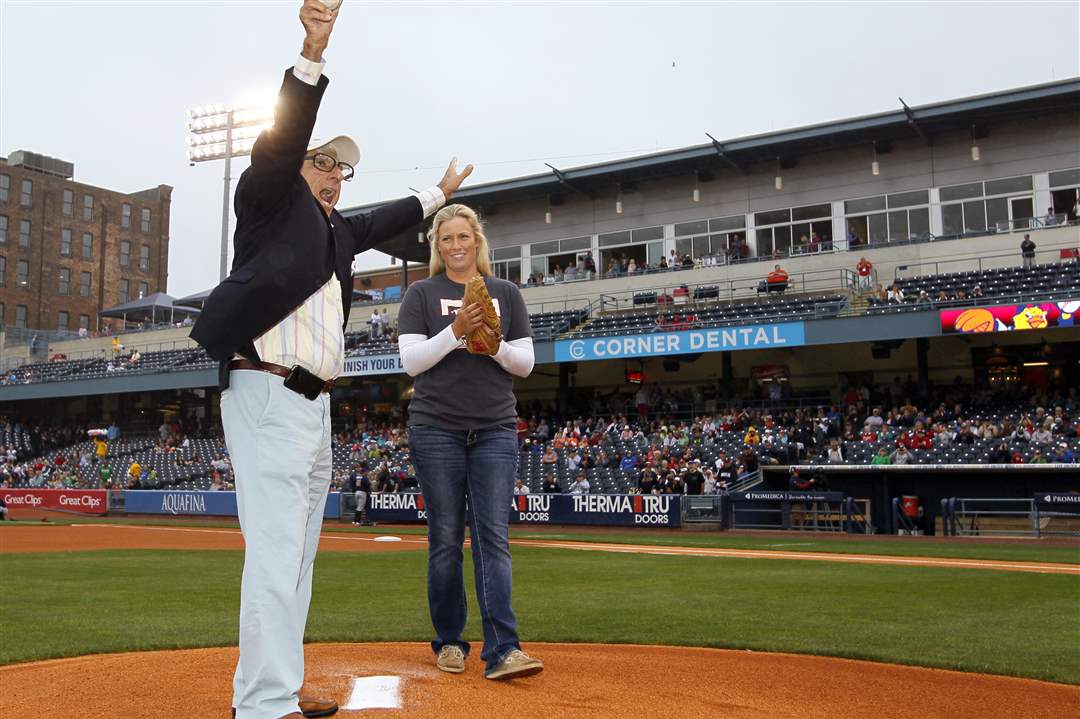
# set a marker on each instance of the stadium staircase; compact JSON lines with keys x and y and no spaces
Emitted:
{"x":857,"y":306}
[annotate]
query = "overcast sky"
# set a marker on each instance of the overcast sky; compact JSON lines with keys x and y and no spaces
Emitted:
{"x":506,"y":86}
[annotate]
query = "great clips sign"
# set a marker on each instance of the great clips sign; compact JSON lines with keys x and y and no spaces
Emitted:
{"x":597,"y":509}
{"x":81,"y":501}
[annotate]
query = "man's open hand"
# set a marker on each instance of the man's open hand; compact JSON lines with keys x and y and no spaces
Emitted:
{"x":452,"y":179}
{"x":317,"y":22}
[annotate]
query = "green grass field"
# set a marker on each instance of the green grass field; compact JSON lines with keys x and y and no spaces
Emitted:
{"x":64,"y":604}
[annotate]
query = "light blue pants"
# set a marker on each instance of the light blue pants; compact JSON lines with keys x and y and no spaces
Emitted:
{"x":279,"y":442}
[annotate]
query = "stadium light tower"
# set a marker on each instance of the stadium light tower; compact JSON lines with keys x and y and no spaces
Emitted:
{"x":217,"y":132}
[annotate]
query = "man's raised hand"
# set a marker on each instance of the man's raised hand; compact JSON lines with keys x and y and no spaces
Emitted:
{"x":317,"y":22}
{"x":452,"y":179}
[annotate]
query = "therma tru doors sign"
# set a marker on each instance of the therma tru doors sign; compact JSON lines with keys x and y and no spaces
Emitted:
{"x":652,"y":344}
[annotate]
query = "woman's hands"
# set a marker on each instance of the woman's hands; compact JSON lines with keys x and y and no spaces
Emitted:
{"x":468,"y":319}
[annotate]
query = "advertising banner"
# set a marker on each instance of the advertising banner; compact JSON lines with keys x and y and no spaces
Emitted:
{"x":1058,"y":501}
{"x":208,"y":504}
{"x":374,"y":365}
{"x":83,"y":501}
{"x":1006,"y":318}
{"x":650,"y":344}
{"x":661,"y":510}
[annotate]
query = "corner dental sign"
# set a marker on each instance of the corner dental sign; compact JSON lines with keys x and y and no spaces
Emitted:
{"x":788,"y":334}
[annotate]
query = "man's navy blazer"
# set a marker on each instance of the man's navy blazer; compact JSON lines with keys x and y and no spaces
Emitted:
{"x":285,"y":245}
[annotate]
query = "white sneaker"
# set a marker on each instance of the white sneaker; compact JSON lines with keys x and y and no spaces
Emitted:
{"x":451,"y":659}
{"x":515,"y":664}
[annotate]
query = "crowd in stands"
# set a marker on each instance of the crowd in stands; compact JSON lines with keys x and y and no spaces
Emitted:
{"x":89,"y":458}
{"x":689,"y":440}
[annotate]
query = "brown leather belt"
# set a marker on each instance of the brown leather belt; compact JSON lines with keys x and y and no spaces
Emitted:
{"x":279,"y":370}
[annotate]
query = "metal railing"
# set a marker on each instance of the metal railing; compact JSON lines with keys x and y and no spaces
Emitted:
{"x":746,"y":482}
{"x":997,"y":517}
{"x":837,"y":280}
{"x":978,"y":263}
{"x":926,"y":305}
{"x":990,"y":517}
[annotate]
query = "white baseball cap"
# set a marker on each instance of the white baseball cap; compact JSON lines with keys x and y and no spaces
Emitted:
{"x":344,"y":147}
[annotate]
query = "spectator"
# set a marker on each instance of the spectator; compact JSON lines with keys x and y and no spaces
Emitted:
{"x":520,"y":488}
{"x":1001,"y":454}
{"x":580,"y":484}
{"x":895,"y":295}
{"x":550,"y":457}
{"x":1037,"y":457}
{"x":1027,"y":252}
{"x":694,"y":480}
{"x":777,"y":280}
{"x":1051,"y":218}
{"x":798,"y":483}
{"x":1064,"y":455}
{"x":835,"y":453}
{"x":1043,"y":435}
{"x":590,"y":265}
{"x":710,"y":486}
{"x":865,"y":270}
{"x":648,"y":482}
{"x":551,"y":486}
{"x":902,"y":456}
{"x":882,"y":456}
{"x":852,"y":237}
{"x":632,"y":268}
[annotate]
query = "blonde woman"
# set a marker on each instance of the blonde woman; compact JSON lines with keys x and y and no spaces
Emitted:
{"x":463,"y":440}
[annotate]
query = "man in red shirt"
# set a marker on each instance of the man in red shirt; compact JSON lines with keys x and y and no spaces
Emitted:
{"x":865,"y":270}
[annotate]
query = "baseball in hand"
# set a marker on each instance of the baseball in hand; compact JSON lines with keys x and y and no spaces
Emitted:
{"x":330,"y":4}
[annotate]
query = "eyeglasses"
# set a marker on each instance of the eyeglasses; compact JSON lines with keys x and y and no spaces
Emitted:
{"x":327,"y":163}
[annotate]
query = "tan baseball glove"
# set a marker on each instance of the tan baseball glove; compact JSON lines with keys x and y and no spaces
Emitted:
{"x":485,"y":339}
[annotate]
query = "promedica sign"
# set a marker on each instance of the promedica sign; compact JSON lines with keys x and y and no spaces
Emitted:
{"x":652,"y":344}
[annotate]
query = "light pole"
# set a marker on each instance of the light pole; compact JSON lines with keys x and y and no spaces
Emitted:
{"x":217,"y":132}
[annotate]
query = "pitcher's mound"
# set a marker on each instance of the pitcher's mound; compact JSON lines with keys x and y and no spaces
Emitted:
{"x":589,"y":681}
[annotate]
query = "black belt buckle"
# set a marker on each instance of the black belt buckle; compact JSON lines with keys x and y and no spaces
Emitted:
{"x":303,"y":382}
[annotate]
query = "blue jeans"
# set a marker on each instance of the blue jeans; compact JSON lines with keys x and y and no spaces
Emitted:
{"x":468,"y":471}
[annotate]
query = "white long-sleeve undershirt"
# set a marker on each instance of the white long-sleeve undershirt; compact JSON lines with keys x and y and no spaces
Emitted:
{"x":419,"y":353}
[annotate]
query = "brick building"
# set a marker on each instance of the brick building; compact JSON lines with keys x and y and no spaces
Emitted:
{"x":69,"y":250}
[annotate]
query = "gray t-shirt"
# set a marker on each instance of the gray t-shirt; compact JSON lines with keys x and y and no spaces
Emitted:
{"x":462,"y":391}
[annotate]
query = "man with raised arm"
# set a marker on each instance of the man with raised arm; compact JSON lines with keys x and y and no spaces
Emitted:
{"x":276,"y":324}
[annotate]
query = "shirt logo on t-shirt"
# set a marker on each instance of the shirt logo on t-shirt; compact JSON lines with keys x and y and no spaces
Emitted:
{"x":449,"y":307}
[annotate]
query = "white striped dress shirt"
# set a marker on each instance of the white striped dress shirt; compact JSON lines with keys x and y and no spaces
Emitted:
{"x":312,"y":336}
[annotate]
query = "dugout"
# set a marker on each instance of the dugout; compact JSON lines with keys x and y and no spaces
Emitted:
{"x":932,"y":483}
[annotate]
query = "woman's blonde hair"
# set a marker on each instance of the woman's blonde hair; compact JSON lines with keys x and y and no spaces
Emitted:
{"x":436,"y":264}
